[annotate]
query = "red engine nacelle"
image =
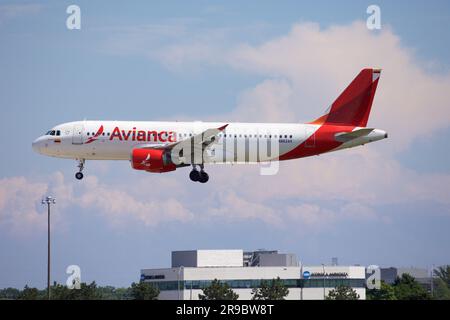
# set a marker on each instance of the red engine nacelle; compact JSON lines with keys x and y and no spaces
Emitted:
{"x":152,"y":160}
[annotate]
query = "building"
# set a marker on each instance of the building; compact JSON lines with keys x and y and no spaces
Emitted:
{"x":193,"y":270}
{"x":422,"y":276}
{"x":388,"y":275}
{"x":266,"y":258}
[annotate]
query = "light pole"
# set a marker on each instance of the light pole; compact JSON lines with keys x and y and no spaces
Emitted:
{"x":48,"y":201}
{"x":179,"y":276}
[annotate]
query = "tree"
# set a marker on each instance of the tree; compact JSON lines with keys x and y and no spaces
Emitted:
{"x":441,"y":290}
{"x":9,"y":293}
{"x":270,"y":290}
{"x":144,"y":291}
{"x":86,"y":292}
{"x":29,"y":294}
{"x":386,"y":292}
{"x":112,"y":293}
{"x":342,"y":293}
{"x":123,"y":293}
{"x":407,"y":288}
{"x":443,"y":273}
{"x":441,"y":282}
{"x":218,"y":291}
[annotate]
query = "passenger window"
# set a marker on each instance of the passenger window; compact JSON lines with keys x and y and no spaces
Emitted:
{"x":290,"y":136}
{"x":88,"y":134}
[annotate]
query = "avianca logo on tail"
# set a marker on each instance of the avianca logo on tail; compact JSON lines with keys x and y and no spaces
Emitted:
{"x":141,"y":135}
{"x":95,"y":137}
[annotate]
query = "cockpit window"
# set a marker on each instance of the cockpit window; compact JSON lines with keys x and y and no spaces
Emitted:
{"x":58,"y":132}
{"x":52,"y":133}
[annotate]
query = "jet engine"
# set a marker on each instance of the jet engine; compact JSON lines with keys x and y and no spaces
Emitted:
{"x":152,"y":160}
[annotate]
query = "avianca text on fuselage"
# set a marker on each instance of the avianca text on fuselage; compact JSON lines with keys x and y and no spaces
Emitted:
{"x":143,"y":135}
{"x":166,"y":146}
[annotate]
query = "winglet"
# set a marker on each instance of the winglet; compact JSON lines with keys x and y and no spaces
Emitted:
{"x":222,"y":127}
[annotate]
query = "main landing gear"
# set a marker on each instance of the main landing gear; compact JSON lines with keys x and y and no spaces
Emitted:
{"x":200,"y":176}
{"x":79,"y":175}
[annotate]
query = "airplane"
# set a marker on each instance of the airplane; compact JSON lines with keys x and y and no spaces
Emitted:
{"x":160,"y":147}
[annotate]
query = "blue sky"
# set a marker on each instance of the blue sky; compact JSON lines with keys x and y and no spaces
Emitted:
{"x":385,"y":204}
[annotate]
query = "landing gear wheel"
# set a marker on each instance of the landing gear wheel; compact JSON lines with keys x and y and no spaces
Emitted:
{"x":79,"y":175}
{"x":194,"y":175}
{"x":204,"y":177}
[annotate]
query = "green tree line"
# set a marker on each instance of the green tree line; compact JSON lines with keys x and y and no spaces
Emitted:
{"x":404,"y":288}
{"x":137,"y":291}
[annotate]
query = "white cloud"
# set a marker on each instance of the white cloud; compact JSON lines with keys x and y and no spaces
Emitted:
{"x":120,"y":205}
{"x":19,"y":201}
{"x":410,"y":102}
{"x":306,"y":69}
{"x":270,"y":99}
{"x":232,"y":207}
{"x":21,"y":211}
{"x":310,"y":216}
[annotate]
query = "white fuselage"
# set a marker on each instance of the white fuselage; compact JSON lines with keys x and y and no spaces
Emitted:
{"x":119,"y":138}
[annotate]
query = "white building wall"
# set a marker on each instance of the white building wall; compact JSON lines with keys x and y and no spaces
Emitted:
{"x":244,"y":294}
{"x":254,"y":273}
{"x":220,"y":258}
{"x":241,"y":273}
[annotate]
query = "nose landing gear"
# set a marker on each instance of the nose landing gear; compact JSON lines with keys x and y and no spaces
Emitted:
{"x":79,"y":175}
{"x":198,"y":176}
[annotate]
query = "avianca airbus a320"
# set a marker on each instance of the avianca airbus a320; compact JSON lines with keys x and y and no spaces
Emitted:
{"x":166,"y":146}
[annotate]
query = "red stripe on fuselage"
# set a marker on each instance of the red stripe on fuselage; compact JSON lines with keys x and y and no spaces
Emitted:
{"x":323,"y":140}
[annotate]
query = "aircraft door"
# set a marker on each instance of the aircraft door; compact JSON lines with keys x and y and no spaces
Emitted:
{"x":77,"y":136}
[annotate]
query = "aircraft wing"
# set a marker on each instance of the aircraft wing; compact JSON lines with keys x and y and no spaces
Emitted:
{"x":347,"y":136}
{"x":195,"y":145}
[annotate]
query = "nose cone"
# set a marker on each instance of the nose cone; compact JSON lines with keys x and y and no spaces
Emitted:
{"x":36,"y":145}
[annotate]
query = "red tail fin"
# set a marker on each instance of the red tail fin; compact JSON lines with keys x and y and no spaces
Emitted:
{"x":353,"y":106}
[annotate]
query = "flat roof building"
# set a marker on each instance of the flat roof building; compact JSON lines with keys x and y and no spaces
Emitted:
{"x":421,"y":275}
{"x":194,"y":270}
